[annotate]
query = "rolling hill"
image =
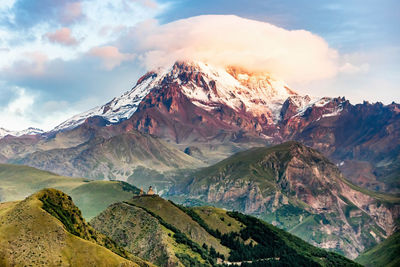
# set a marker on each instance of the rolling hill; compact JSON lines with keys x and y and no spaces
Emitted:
{"x":47,"y":229}
{"x":172,"y":235}
{"x":92,"y":197}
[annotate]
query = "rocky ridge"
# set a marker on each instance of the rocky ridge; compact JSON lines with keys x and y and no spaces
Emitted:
{"x":289,"y":183}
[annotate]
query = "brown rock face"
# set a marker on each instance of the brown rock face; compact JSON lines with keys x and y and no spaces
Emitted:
{"x":363,"y":135}
{"x":288,"y":185}
{"x":168,"y":113}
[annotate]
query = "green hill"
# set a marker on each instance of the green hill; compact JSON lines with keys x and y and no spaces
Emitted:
{"x":18,"y":182}
{"x":47,"y":229}
{"x":297,"y":189}
{"x":385,"y":254}
{"x":172,"y":235}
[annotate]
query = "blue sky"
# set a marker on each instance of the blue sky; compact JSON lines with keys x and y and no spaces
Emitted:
{"x":59,"y":58}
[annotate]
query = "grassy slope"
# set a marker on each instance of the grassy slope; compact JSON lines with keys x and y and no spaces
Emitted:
{"x":242,"y":162}
{"x":17,"y":182}
{"x":31,"y":235}
{"x":217,"y":218}
{"x":135,"y":230}
{"x":176,"y":217}
{"x":120,"y":221}
{"x":257,"y":232}
{"x":386,"y":253}
{"x":142,"y":234}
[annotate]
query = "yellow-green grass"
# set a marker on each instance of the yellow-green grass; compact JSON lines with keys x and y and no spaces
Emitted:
{"x":179,"y":219}
{"x":92,"y":197}
{"x":143,"y":235}
{"x":217,"y":219}
{"x":31,"y":236}
{"x":176,"y":248}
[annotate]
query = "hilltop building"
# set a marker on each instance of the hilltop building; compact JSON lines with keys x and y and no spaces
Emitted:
{"x":150,"y":191}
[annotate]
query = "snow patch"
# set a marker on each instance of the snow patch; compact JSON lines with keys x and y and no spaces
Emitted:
{"x":336,"y":112}
{"x":308,"y":102}
{"x":260,"y":95}
{"x":28,"y":131}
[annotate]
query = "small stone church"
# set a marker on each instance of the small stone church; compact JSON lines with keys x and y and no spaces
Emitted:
{"x":150,"y":192}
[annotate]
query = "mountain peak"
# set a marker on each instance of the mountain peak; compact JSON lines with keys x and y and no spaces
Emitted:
{"x":209,"y":87}
{"x":206,"y":86}
{"x":28,"y":131}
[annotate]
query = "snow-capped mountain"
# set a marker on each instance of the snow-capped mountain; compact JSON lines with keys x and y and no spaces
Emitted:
{"x":205,"y":86}
{"x":212,"y":112}
{"x":119,"y":108}
{"x":238,"y":89}
{"x":28,"y":131}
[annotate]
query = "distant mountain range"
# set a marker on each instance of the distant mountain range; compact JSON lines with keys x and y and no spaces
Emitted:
{"x":28,"y":131}
{"x":176,"y":124}
{"x":217,"y":112}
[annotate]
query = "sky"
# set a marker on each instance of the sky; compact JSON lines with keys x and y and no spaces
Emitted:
{"x":60,"y":58}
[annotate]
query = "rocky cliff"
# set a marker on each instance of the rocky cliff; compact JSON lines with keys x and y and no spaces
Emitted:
{"x":298,"y":189}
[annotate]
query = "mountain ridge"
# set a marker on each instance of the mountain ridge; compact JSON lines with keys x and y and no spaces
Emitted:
{"x":218,"y":112}
{"x":299,"y":190}
{"x":27,"y":131}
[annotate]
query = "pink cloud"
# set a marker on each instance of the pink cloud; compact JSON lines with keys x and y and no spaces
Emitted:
{"x":62,"y":36}
{"x":32,"y":65}
{"x":71,"y":12}
{"x":110,"y":55}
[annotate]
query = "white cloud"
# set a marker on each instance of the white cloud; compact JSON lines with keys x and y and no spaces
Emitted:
{"x":224,"y":40}
{"x":15,"y":115}
{"x":352,"y":69}
{"x":26,"y":110}
{"x":85,"y":19}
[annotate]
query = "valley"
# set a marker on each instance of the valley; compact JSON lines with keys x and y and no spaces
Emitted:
{"x":204,"y":135}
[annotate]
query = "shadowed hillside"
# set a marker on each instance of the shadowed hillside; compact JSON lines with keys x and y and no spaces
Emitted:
{"x":385,"y":254}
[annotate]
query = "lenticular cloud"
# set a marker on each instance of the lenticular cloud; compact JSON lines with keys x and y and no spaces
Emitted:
{"x":225,"y":40}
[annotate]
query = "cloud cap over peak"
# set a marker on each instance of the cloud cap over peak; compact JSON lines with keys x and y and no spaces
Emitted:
{"x":228,"y":40}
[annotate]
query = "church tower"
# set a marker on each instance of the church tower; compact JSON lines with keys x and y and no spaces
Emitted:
{"x":150,"y":192}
